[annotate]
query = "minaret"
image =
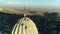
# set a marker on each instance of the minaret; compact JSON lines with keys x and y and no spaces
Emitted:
{"x":25,"y":26}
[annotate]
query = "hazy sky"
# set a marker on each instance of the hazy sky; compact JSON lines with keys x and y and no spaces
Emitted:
{"x":39,"y":3}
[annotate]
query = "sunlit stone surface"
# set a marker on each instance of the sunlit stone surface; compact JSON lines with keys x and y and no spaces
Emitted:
{"x":25,"y":26}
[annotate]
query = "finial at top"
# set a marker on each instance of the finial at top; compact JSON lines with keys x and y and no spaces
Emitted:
{"x":24,"y":12}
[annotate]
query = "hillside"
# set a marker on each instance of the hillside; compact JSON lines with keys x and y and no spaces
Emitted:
{"x":29,"y":11}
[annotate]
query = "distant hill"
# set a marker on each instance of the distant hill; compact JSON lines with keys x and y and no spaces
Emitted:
{"x":29,"y":11}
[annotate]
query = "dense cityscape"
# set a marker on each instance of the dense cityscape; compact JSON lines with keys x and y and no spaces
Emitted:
{"x":49,"y":23}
